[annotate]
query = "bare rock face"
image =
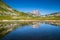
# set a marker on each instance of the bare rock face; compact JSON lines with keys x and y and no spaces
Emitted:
{"x":36,"y":12}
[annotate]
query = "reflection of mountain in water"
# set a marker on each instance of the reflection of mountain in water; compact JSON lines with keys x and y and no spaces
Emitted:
{"x":6,"y":27}
{"x":36,"y":24}
{"x":53,"y":23}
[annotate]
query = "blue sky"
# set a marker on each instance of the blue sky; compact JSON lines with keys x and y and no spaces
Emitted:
{"x":44,"y":6}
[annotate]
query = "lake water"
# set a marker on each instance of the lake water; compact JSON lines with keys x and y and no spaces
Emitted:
{"x":29,"y":31}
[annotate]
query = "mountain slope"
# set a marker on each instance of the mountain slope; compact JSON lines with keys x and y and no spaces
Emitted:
{"x":6,"y":12}
{"x":54,"y":14}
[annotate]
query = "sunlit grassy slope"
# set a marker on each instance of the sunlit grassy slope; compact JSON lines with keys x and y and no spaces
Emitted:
{"x":6,"y":12}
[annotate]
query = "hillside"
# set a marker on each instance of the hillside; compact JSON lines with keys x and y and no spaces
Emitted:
{"x":53,"y":16}
{"x":5,"y":9}
{"x":6,"y":12}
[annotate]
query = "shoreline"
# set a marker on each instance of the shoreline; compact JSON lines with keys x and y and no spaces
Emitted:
{"x":28,"y":20}
{"x":17,"y":20}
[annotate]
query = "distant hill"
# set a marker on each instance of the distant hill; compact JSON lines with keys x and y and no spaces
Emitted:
{"x":54,"y":14}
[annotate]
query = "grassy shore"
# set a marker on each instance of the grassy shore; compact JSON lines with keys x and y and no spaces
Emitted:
{"x":29,"y":20}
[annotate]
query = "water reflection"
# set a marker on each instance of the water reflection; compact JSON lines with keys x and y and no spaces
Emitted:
{"x":35,"y":24}
{"x":53,"y":23}
{"x":6,"y":27}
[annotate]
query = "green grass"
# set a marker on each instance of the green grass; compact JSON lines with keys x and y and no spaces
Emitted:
{"x":28,"y":18}
{"x":5,"y":17}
